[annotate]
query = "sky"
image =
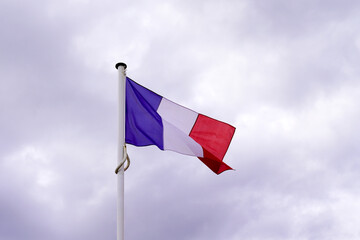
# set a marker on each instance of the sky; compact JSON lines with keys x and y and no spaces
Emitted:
{"x":284,"y":73}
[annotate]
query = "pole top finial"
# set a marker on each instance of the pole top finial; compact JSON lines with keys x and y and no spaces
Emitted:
{"x":120,"y":64}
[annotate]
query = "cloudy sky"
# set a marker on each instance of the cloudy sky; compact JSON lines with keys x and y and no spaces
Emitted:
{"x":284,"y":73}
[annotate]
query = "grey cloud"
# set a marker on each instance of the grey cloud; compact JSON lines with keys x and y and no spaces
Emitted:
{"x":288,"y":67}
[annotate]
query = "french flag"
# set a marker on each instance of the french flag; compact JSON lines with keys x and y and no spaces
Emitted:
{"x":154,"y":120}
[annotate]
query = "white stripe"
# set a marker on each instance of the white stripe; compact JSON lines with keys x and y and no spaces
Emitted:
{"x":177,"y":123}
{"x":179,"y":116}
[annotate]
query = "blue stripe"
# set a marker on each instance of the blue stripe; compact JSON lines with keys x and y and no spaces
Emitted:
{"x":143,"y":125}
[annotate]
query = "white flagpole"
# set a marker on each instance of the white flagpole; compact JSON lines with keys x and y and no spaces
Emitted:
{"x":120,"y":175}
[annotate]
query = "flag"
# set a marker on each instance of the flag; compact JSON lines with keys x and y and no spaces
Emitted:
{"x":154,"y":120}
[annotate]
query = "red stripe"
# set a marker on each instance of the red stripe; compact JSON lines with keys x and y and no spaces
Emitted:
{"x":214,"y":136}
{"x":217,"y":166}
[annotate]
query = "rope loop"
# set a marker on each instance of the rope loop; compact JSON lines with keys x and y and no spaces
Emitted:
{"x":125,"y":158}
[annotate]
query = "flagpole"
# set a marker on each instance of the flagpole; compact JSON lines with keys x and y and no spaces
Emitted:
{"x":121,"y":67}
